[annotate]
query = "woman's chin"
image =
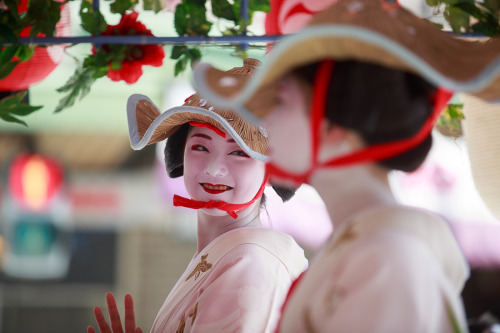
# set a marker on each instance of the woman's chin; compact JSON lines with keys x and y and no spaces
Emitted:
{"x":214,"y":212}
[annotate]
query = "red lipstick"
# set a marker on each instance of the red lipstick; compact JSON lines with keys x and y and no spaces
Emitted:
{"x":215,"y":189}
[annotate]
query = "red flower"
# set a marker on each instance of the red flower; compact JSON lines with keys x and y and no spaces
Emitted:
{"x":135,"y":55}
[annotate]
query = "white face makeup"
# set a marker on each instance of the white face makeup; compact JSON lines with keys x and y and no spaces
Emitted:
{"x":289,"y":127}
{"x":216,"y":168}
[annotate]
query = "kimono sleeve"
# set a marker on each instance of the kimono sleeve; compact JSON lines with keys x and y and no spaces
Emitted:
{"x":389,"y":283}
{"x":245,"y":294}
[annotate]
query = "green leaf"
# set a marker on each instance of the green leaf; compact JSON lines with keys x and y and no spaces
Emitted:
{"x":190,"y":20}
{"x":493,"y":6}
{"x":12,"y":19}
{"x":77,"y":86}
{"x":43,"y":16}
{"x":121,"y":6}
{"x":180,"y":66}
{"x":486,"y":15}
{"x":7,"y":34}
{"x":485,"y":29}
{"x":92,"y":21}
{"x":154,"y":5}
{"x":178,"y":51}
{"x":457,"y":19}
{"x":12,"y":5}
{"x":259,"y":6}
{"x":432,"y":3}
{"x":12,"y":100}
{"x":6,"y":69}
{"x":116,"y":65}
{"x":25,"y":52}
{"x":8,"y":53}
{"x":196,"y":2}
{"x":223,"y":9}
{"x":194,"y":53}
{"x":11,"y":119}
{"x":13,"y":105}
{"x":450,"y":119}
{"x":24,"y":109}
{"x":180,"y":20}
{"x":469,"y":8}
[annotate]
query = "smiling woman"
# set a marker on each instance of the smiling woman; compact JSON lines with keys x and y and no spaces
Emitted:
{"x":239,"y":277}
{"x":215,"y":165}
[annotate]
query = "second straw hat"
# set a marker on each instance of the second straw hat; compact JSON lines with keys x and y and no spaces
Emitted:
{"x":369,"y":31}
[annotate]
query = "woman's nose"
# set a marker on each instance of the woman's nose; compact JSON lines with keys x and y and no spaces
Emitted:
{"x":216,"y":167}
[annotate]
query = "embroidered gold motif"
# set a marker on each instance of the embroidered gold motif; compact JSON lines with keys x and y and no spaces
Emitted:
{"x":182,"y":325}
{"x":202,"y":267}
{"x":193,"y":312}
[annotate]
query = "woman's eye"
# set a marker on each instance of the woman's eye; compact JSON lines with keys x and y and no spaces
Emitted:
{"x":199,"y":148}
{"x":239,"y":153}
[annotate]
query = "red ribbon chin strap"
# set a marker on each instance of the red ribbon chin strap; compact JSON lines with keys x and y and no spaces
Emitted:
{"x":372,"y":153}
{"x":231,"y":209}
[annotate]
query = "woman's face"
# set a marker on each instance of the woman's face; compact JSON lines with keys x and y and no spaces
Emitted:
{"x":289,"y":126}
{"x":216,"y":168}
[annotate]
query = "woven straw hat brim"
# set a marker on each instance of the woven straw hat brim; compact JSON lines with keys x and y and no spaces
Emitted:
{"x":147,"y":125}
{"x":481,"y":128}
{"x":368,"y":31}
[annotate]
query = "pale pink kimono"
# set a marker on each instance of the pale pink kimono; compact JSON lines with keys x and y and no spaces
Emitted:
{"x":388,"y":270}
{"x":236,"y":284}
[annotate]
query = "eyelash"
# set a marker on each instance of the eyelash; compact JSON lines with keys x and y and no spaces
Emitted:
{"x":199,"y":148}
{"x":236,"y":152}
{"x":239,"y":153}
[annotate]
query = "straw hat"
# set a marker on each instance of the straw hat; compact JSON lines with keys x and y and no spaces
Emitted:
{"x":481,"y":124}
{"x":147,"y":125}
{"x":368,"y":31}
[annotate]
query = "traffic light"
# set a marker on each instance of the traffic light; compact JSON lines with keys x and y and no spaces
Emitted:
{"x":35,"y":219}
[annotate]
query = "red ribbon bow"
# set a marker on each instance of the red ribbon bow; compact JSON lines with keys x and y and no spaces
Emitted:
{"x":231,"y":209}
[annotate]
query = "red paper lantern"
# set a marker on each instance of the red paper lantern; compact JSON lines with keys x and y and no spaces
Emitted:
{"x":289,"y":16}
{"x":43,"y":61}
{"x":35,"y":180}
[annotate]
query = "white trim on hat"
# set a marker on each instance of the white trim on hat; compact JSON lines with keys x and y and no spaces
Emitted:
{"x":137,"y":143}
{"x":364,"y":35}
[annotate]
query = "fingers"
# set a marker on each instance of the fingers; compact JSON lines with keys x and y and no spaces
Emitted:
{"x":114,"y":316}
{"x":90,"y":329}
{"x":129,"y":314}
{"x":101,"y":322}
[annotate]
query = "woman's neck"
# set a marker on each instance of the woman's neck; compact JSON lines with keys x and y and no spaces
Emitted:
{"x":347,"y":191}
{"x":210,"y":227}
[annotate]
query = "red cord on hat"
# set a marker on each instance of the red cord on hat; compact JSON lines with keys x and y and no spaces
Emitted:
{"x":231,"y":209}
{"x":372,"y":153}
{"x":209,"y":126}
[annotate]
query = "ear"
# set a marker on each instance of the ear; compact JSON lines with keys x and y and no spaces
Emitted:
{"x":333,"y":134}
{"x":141,"y":112}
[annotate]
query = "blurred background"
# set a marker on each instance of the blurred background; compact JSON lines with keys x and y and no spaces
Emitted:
{"x":82,"y":214}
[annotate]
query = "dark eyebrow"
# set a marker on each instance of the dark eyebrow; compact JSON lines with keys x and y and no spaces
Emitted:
{"x":200,"y":135}
{"x":231,"y":140}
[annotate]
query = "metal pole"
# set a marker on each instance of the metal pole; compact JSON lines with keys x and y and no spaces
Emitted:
{"x":96,"y":7}
{"x":244,"y":15}
{"x":142,"y":40}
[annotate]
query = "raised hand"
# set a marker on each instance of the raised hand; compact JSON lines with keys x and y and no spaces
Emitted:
{"x":114,"y":317}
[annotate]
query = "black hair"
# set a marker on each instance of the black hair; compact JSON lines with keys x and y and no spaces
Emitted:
{"x":380,"y":104}
{"x":174,"y":161}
